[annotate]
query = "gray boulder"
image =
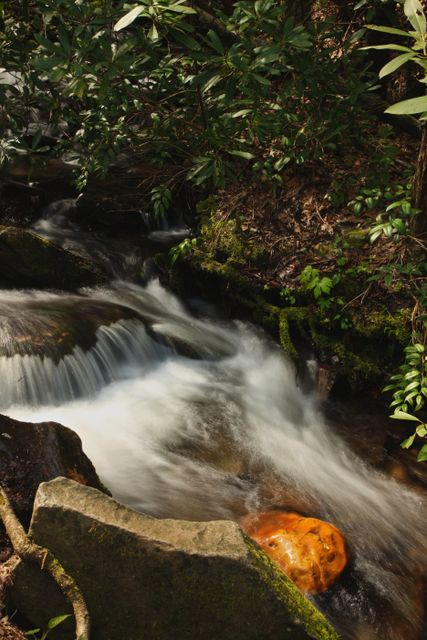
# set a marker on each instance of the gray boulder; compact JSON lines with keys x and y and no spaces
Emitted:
{"x":151,"y":579}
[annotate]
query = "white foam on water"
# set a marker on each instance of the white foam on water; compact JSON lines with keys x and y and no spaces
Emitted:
{"x":144,"y":410}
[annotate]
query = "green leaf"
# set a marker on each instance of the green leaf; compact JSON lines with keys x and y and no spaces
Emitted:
{"x":36,"y":139}
{"x":394,"y":64}
{"x":215,"y":42}
{"x":241,"y":113}
{"x":180,"y":8}
{"x":415,"y":13}
{"x":47,"y":44}
{"x":212,"y":82}
{"x":282,"y":162}
{"x":357,"y":35}
{"x":54,"y":622}
{"x":261,"y":80}
{"x":419,"y":402}
{"x":412,"y":385}
{"x":389,"y":387}
{"x":408,"y":107}
{"x":422,"y":455}
{"x":325,"y":285}
{"x":402,"y":415}
{"x":411,"y":395}
{"x":153,"y":34}
{"x":63,"y":39}
{"x":185,"y":39}
{"x":130,"y":17}
{"x":241,"y":154}
{"x":57,"y":74}
{"x":258,"y":6}
{"x":421,"y":430}
{"x":388,"y":47}
{"x":412,"y":374}
{"x":46,"y":64}
{"x":392,"y":30}
{"x":408,"y":442}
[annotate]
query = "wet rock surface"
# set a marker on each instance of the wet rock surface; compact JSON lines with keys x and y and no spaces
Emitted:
{"x":53,"y":327}
{"x":20,"y":203}
{"x":27,"y":259}
{"x":311,"y":552}
{"x":34,"y":453}
{"x":144,"y":577}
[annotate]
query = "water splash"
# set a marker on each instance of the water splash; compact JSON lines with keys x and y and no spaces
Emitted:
{"x":211,"y":424}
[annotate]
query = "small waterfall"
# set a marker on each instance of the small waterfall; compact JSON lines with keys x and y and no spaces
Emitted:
{"x":57,"y":348}
{"x":122,"y":257}
{"x":120,"y":352}
{"x":190,"y":417}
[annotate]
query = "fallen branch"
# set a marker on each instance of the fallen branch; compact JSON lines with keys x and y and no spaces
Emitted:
{"x":28,"y":550}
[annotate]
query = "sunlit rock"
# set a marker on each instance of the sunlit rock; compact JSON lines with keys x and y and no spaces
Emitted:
{"x":311,"y":552}
{"x":158,"y":579}
{"x":34,"y":453}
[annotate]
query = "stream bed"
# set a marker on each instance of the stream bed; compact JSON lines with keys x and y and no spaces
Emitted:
{"x":185,"y":415}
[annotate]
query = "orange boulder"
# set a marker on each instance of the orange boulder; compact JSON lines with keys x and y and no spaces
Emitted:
{"x":311,"y":552}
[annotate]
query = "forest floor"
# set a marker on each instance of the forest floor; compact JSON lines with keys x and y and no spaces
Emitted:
{"x":307,"y":221}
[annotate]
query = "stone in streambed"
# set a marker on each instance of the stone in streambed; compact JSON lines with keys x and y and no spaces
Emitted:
{"x":159,"y":579}
{"x":311,"y":552}
{"x":34,"y":453}
{"x":54,"y":326}
{"x":27,"y":259}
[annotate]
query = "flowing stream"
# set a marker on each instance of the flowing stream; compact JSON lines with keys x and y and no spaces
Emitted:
{"x":187,"y":416}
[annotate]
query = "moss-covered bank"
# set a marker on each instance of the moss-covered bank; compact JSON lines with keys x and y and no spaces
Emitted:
{"x":361,"y":345}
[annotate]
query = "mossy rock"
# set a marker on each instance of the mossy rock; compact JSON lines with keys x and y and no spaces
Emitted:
{"x":27,"y":259}
{"x":361,"y":355}
{"x":356,"y":237}
{"x":159,"y":579}
{"x":224,"y":236}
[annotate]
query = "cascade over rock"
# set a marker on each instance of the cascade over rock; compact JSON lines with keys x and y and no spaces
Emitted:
{"x":311,"y":552}
{"x":27,"y":259}
{"x":159,"y":579}
{"x":53,"y":327}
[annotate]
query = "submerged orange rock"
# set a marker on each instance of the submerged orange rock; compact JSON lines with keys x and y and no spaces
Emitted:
{"x":311,"y":552}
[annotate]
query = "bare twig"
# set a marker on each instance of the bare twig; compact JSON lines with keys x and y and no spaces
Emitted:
{"x":28,"y":550}
{"x":362,"y":297}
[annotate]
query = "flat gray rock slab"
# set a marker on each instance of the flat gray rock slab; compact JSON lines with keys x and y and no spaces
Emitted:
{"x":150,"y":579}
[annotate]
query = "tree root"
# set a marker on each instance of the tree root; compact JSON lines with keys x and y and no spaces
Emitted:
{"x":28,"y":550}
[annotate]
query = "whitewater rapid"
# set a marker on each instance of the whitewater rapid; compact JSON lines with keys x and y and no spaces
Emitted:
{"x":191,"y":417}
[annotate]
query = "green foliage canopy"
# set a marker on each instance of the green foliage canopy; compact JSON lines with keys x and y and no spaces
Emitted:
{"x":173,"y":85}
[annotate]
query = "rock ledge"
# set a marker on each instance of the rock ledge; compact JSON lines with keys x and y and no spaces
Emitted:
{"x":157,"y":579}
